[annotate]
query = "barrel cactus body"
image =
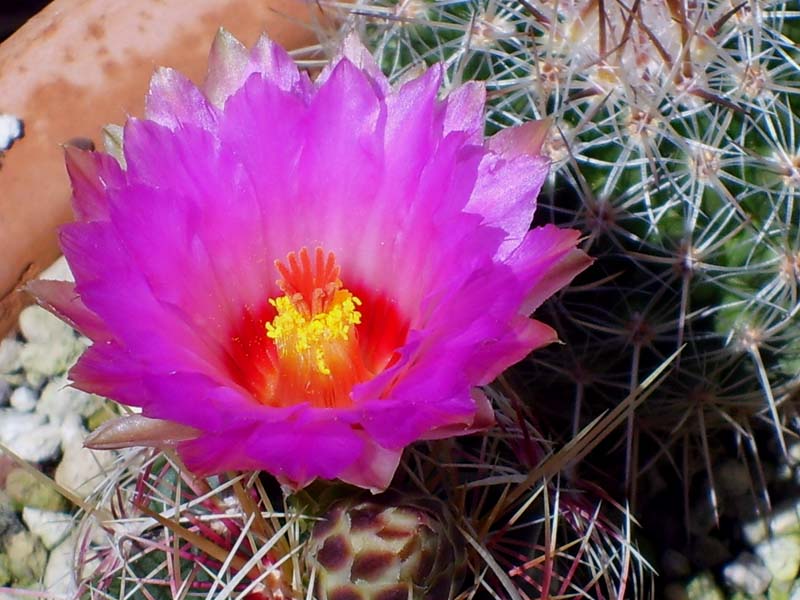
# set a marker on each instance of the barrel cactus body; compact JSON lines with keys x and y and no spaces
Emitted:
{"x":376,"y":551}
{"x":676,"y":149}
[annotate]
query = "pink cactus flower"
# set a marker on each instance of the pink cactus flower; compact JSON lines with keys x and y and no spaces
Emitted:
{"x":306,"y":277}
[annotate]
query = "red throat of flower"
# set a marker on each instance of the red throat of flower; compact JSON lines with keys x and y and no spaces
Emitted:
{"x":314,"y":332}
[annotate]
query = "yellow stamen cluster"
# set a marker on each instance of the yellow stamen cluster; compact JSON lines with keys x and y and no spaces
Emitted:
{"x":298,"y":334}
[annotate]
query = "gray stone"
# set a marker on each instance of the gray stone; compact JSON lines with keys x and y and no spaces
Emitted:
{"x":50,"y":527}
{"x":781,"y":555}
{"x":23,"y":399}
{"x":794,"y":592}
{"x":58,"y":400}
{"x":785,"y":521}
{"x":5,"y":570}
{"x":755,"y":531}
{"x":9,"y":523}
{"x":27,"y":558}
{"x":52,"y":345}
{"x":794,"y":452}
{"x":26,"y":490}
{"x":38,"y":445}
{"x":5,"y":392}
{"x":81,"y":470}
{"x":702,"y":518}
{"x":13,"y":424}
{"x":14,"y":379}
{"x":747,"y":574}
{"x":703,"y":587}
{"x":59,"y":576}
{"x":10,"y":350}
{"x":42,"y":361}
{"x":41,"y":327}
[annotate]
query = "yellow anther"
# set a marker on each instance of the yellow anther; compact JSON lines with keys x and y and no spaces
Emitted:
{"x":304,"y":337}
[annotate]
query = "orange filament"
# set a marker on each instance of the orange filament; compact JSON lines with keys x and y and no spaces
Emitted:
{"x":314,"y":333}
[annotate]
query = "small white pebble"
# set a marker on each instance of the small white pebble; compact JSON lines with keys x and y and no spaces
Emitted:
{"x":23,"y":399}
{"x":10,"y":351}
{"x":785,"y":521}
{"x":781,"y":555}
{"x":50,"y":527}
{"x":755,"y":531}
{"x":10,"y":131}
{"x":59,"y":576}
{"x":747,"y":574}
{"x":39,"y":445}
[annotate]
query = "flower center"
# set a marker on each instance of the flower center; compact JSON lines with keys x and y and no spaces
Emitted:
{"x":314,"y":333}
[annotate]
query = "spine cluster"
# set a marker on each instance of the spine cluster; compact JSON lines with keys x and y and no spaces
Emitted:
{"x":676,"y":149}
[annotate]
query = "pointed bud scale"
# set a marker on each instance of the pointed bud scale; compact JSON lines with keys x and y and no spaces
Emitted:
{"x":136,"y":430}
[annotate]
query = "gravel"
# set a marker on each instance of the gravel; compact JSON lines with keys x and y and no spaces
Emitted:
{"x":42,"y":420}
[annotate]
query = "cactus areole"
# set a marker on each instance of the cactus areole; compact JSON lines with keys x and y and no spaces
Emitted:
{"x":305,"y":276}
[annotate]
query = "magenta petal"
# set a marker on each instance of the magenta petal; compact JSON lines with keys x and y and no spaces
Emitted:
{"x":61,"y":299}
{"x":525,"y":139}
{"x":343,"y":128}
{"x":275,"y":64}
{"x":219,"y":452}
{"x":155,"y":331}
{"x":285,"y":448}
{"x":197,"y":400}
{"x":482,"y":420}
{"x":525,"y":336}
{"x":548,"y":260}
{"x":91,"y":174}
{"x":505,"y":195}
{"x":107,"y":369}
{"x":464,"y":111}
{"x":374,"y":468}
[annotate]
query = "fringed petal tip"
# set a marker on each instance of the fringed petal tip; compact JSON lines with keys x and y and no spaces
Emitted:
{"x":227,"y":62}
{"x":230,"y":64}
{"x":174,"y":100}
{"x":61,"y":299}
{"x":481,"y":420}
{"x":527,"y":138}
{"x":356,"y":53}
{"x":91,"y":173}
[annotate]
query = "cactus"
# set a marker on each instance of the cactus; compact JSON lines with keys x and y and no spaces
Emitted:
{"x":676,"y":149}
{"x":491,"y":518}
{"x":159,"y":532}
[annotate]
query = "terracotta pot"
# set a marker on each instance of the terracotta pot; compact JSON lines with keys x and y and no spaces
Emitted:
{"x":80,"y":64}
